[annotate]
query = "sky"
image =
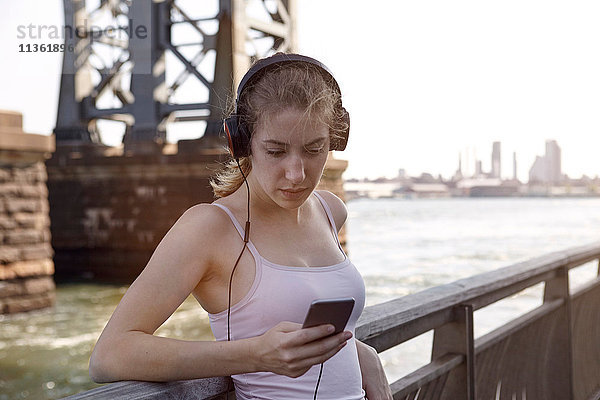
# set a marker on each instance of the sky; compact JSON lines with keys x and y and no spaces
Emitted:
{"x":424,"y":81}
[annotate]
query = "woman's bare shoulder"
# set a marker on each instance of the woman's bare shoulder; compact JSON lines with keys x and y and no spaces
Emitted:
{"x":337,"y":206}
{"x":199,"y":229}
{"x":184,"y":257}
{"x":204,"y":214}
{"x":204,"y":220}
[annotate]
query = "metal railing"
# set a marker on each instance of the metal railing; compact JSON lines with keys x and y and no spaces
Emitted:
{"x":551,"y":352}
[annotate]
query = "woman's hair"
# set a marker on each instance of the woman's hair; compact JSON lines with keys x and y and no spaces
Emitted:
{"x":297,"y":85}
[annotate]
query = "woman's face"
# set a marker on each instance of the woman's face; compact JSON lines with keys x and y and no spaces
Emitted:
{"x":288,"y":157}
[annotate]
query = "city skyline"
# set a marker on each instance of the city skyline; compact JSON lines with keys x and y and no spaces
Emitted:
{"x":545,"y":180}
{"x":546,"y":168}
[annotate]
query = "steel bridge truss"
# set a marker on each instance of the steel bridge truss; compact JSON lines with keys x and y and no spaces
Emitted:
{"x":124,"y":50}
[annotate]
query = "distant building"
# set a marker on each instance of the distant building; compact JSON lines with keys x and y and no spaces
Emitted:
{"x":554,"y":164}
{"x":370,"y":189}
{"x":458,"y":175}
{"x":425,"y":190}
{"x":472,"y":182}
{"x":485,"y":187}
{"x":496,"y":161}
{"x":538,"y":171}
{"x":547,"y":168}
{"x":478,"y":168}
{"x":426,"y":177}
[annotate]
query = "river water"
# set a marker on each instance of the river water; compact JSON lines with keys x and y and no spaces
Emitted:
{"x":399,"y":246}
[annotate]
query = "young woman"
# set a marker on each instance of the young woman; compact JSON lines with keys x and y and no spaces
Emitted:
{"x":256,"y":279}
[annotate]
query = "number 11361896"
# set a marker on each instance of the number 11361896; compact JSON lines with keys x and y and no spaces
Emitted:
{"x":44,"y":48}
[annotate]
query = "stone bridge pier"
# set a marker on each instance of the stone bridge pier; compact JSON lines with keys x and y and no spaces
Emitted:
{"x":26,"y":265}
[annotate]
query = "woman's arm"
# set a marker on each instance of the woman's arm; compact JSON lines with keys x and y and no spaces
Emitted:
{"x":128,"y":350}
{"x":144,"y":357}
{"x":285,"y":349}
{"x":374,"y":381}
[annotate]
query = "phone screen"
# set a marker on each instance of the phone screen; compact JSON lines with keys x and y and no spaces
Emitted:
{"x":329,"y":311}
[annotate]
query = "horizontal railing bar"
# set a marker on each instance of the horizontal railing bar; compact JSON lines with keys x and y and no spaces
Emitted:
{"x":426,"y":374}
{"x":417,"y":308}
{"x":399,"y":313}
{"x":582,"y":254}
{"x":507,"y":329}
{"x":387,"y":324}
{"x":389,"y":337}
{"x":489,"y":298}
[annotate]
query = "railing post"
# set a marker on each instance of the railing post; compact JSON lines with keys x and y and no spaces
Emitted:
{"x":558,"y":288}
{"x":457,"y":337}
{"x":467,"y":311}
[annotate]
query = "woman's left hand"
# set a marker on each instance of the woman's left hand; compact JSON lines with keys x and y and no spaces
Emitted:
{"x":374,"y":381}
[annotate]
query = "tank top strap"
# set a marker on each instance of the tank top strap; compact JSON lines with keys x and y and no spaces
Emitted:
{"x":330,"y":218}
{"x":239,"y":228}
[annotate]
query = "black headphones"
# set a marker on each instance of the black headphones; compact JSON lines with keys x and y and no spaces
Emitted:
{"x":238,"y":133}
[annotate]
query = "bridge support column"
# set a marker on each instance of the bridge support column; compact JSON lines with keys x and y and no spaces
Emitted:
{"x":26,"y":266}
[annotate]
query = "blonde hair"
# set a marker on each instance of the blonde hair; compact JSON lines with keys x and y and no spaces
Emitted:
{"x":298,"y":85}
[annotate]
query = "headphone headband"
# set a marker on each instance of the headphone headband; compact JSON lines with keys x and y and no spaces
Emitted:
{"x":262,"y":66}
{"x":238,"y":134}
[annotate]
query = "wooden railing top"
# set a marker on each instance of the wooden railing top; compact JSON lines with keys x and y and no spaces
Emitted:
{"x":437,"y":303}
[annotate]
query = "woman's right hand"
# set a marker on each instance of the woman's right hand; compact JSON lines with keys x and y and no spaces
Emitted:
{"x":287,"y":349}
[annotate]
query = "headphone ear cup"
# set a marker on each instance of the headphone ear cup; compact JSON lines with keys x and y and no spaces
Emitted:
{"x":339,"y":143}
{"x":238,"y":138}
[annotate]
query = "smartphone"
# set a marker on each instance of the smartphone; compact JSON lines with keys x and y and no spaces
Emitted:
{"x":329,"y":311}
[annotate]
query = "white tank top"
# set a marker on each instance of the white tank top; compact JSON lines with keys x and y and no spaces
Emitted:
{"x":283,"y":293}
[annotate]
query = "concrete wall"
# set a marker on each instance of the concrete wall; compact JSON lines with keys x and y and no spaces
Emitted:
{"x":26,"y":265}
{"x":109,"y":211}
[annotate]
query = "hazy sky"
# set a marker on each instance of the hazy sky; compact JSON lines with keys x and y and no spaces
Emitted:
{"x":423,"y":80}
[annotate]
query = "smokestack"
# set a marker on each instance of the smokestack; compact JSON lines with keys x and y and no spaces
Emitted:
{"x":496,"y":163}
